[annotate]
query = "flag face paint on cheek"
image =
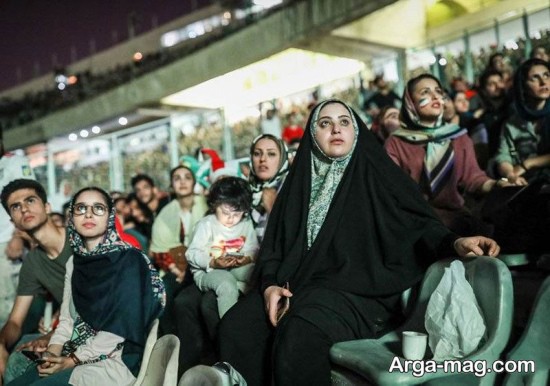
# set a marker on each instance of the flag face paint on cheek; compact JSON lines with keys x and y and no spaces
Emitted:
{"x":423,"y":102}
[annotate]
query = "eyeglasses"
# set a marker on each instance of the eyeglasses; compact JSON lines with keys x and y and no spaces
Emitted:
{"x":82,"y":209}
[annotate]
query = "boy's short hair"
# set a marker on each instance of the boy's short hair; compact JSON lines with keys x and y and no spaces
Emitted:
{"x":232,"y":191}
{"x":141,"y":177}
{"x":22,"y":183}
{"x":485,"y":75}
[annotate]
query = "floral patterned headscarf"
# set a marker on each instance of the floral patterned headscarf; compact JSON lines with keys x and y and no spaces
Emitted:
{"x":326,"y":174}
{"x":111,"y":241}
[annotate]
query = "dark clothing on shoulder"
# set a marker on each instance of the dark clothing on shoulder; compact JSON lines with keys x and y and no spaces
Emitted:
{"x":162,"y":203}
{"x":380,"y":100}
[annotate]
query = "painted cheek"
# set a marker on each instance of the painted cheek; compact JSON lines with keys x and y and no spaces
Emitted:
{"x":423,"y":102}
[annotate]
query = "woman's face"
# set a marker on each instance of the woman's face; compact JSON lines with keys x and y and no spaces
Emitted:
{"x":136,"y":211}
{"x":427,"y":97}
{"x":334,"y":131}
{"x":390,"y":120}
{"x":183,"y":182}
{"x":462,"y":104}
{"x":266,"y":158}
{"x":90,"y":216}
{"x":538,"y":82}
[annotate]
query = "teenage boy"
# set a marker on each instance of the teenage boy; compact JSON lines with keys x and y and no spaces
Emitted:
{"x":43,"y":268}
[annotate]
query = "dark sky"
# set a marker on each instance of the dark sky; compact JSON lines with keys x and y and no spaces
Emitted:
{"x":32,"y":31}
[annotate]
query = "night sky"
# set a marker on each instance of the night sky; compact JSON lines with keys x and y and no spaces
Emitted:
{"x":32,"y":31}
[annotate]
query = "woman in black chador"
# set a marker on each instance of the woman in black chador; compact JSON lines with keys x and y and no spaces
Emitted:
{"x":349,"y":232}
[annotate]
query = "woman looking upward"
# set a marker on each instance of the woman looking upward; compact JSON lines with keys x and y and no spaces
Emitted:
{"x":330,"y":254}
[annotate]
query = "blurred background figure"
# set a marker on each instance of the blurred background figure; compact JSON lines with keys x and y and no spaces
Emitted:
{"x":147,"y":193}
{"x":539,"y":52}
{"x":382,"y":97}
{"x":386,"y":122}
{"x":271,"y":123}
{"x":58,"y":219}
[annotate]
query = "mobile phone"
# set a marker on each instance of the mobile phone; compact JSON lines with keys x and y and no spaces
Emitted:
{"x":233,"y":255}
{"x":283,"y":305}
{"x":34,"y":356}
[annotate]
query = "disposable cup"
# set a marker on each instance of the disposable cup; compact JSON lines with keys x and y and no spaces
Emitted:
{"x":414,"y":345}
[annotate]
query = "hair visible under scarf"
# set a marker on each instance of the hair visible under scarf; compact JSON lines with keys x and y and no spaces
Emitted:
{"x":111,"y":241}
{"x":326,"y":173}
{"x":258,"y":185}
{"x":439,"y":159}
{"x":412,"y":130}
{"x":378,"y":235}
{"x":115,"y":287}
{"x":521,"y":92}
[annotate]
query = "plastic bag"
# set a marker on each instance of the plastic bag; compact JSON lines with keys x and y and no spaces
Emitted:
{"x":219,"y":374}
{"x":453,"y":317}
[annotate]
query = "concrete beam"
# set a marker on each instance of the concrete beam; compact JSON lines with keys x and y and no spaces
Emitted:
{"x":290,"y":26}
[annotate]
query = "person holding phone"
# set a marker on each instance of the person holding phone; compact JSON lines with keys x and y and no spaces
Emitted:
{"x":224,"y":245}
{"x":34,"y":356}
{"x":111,"y":297}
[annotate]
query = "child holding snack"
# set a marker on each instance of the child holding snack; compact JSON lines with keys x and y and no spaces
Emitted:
{"x":224,"y":245}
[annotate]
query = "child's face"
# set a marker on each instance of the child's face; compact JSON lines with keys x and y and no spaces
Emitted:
{"x":227,"y":216}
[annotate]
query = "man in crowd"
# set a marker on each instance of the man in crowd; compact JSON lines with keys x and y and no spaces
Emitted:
{"x":43,"y":269}
{"x":494,"y":106}
{"x":146,"y":192}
